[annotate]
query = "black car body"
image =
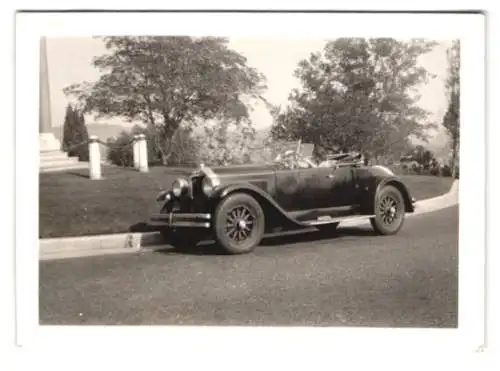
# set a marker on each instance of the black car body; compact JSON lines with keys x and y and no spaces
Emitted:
{"x":238,"y":205}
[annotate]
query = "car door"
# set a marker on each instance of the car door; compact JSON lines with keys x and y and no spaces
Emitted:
{"x":327,"y":187}
{"x":342,"y":186}
{"x":288,"y":189}
{"x":314,"y":188}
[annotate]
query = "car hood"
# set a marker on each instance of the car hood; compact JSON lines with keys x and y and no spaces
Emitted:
{"x":243,"y":169}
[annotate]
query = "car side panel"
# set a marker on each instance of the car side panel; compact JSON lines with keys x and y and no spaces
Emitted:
{"x":317,"y":187}
{"x":343,"y":192}
{"x":288,"y":189}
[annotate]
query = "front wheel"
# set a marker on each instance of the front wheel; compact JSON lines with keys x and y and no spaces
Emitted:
{"x":389,"y":211}
{"x":239,"y":223}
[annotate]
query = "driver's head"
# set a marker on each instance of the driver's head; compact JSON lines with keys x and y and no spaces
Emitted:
{"x":288,"y":158}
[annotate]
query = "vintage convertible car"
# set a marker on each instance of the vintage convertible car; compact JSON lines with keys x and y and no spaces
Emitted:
{"x":239,"y":205}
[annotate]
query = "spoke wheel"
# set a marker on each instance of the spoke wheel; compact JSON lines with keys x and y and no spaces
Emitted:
{"x":389,"y":211}
{"x":239,"y":223}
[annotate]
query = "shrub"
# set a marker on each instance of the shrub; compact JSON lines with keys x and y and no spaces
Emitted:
{"x":446,"y":171}
{"x":434,"y":170}
{"x":75,"y":134}
{"x":184,"y":150}
{"x":120,"y":150}
{"x":220,"y":146}
{"x":416,"y":168}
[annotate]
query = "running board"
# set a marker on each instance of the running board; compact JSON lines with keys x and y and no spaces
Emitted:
{"x":290,"y":232}
{"x":324,"y":221}
{"x":331,"y":212}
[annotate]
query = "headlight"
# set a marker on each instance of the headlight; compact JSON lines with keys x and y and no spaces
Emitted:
{"x":179,"y":186}
{"x":209,"y":184}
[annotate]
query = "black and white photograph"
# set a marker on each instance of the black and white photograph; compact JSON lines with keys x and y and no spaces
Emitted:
{"x":343,"y":194}
{"x":237,"y":180}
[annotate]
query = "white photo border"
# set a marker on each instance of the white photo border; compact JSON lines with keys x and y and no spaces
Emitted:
{"x":185,"y":341}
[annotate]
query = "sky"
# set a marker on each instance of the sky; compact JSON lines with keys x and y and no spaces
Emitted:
{"x":69,"y":61}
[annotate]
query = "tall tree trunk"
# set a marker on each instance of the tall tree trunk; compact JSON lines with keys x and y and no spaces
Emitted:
{"x":454,"y":159}
{"x":164,"y":158}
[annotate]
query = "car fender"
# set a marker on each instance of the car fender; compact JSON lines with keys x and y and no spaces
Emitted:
{"x":395,"y":182}
{"x":266,"y":201}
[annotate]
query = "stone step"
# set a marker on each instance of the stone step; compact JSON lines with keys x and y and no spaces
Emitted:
{"x":59,"y":162}
{"x":73,"y":166}
{"x":53,"y":155}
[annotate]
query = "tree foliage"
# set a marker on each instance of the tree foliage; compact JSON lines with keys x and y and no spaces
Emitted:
{"x":120,"y":151}
{"x":223,"y":144}
{"x":184,"y":148}
{"x":75,"y":134}
{"x":170,"y":83}
{"x":451,"y":120}
{"x":423,"y":156}
{"x":358,"y":94}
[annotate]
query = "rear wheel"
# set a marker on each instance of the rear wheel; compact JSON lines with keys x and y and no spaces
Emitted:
{"x":239,"y":223}
{"x":389,"y":211}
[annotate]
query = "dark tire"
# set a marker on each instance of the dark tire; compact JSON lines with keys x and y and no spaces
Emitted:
{"x":239,"y":223}
{"x":177,"y":239}
{"x":389,"y":211}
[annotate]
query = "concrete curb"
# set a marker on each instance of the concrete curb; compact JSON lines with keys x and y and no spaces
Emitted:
{"x":73,"y":247}
{"x":422,"y":207}
{"x":70,"y":247}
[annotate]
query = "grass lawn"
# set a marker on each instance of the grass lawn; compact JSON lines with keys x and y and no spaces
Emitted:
{"x":73,"y":205}
{"x":427,"y":186}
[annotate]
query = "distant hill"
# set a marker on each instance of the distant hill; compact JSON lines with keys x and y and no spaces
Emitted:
{"x":102,"y":131}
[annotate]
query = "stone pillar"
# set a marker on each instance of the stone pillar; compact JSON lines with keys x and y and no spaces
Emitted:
{"x":47,"y":140}
{"x":143,"y":154}
{"x":135,"y":146}
{"x":94,"y":158}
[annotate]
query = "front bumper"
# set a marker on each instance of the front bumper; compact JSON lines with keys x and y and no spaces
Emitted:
{"x":174,"y":219}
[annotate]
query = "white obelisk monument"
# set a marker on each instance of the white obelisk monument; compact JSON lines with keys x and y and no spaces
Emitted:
{"x":52,"y":158}
{"x":48,"y":141}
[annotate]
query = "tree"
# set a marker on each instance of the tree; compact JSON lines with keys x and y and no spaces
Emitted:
{"x":451,"y":120}
{"x":223,"y":144}
{"x":75,"y":134}
{"x":170,"y":83}
{"x":358,"y":94}
{"x":120,"y":151}
{"x":424,"y":157}
{"x":184,"y":148}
